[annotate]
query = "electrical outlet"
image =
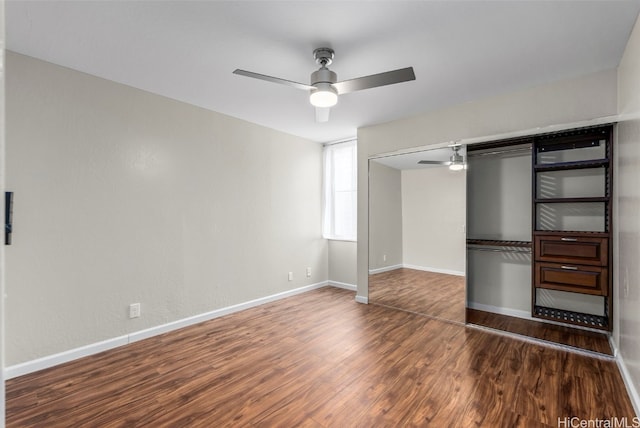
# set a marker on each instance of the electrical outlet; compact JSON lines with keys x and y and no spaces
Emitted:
{"x":290,"y":276}
{"x":134,"y":310}
{"x":384,"y":257}
{"x":308,"y":272}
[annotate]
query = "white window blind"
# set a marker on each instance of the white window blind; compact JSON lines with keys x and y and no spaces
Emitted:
{"x":340,"y":191}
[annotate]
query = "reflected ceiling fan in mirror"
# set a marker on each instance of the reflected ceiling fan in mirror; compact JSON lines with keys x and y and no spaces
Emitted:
{"x":455,"y":162}
{"x":324,"y":87}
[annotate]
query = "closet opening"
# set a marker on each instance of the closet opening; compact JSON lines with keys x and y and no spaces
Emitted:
{"x":538,"y":238}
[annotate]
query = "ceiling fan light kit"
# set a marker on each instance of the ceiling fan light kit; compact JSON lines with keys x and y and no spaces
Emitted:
{"x":324,"y":87}
{"x":323,"y":96}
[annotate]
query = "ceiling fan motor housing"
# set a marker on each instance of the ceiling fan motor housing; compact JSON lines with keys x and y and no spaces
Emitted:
{"x":323,"y":75}
{"x":323,"y":56}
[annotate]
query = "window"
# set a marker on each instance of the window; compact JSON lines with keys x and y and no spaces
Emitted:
{"x":340,"y":191}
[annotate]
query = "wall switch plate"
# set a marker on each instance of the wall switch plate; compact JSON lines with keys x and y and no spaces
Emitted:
{"x":290,"y":276}
{"x":134,"y":310}
{"x":308,"y":272}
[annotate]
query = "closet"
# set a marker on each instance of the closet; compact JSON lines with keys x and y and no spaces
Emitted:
{"x":499,"y":227}
{"x":572,"y":184}
{"x":538,"y":227}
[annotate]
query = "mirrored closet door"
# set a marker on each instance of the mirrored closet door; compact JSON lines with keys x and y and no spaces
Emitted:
{"x":417,"y":214}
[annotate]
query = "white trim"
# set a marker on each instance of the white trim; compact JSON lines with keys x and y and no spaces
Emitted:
{"x":603,"y":120}
{"x":351,"y":287}
{"x":362,"y":299}
{"x":422,"y":268}
{"x":347,"y":140}
{"x":63,"y":357}
{"x":628,"y":383}
{"x":624,"y":117}
{"x":432,"y":269}
{"x":634,"y":396}
{"x":501,"y":310}
{"x":94,"y":348}
{"x":384,"y":269}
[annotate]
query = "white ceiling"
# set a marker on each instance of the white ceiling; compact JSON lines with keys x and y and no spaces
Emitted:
{"x":460,"y":50}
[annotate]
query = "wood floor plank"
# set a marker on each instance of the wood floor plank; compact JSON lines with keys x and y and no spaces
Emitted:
{"x":435,"y":294}
{"x":562,"y":335}
{"x":321,"y":360}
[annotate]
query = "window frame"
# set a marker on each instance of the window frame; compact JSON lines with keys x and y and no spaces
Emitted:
{"x":329,"y":205}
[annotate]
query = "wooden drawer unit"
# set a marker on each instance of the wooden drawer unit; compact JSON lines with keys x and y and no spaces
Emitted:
{"x":572,"y":248}
{"x":573,"y":278}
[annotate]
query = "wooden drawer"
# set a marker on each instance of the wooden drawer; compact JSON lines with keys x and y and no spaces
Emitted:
{"x":573,"y":278}
{"x":568,"y":248}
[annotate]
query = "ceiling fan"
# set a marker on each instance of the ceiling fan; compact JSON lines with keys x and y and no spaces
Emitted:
{"x":455,"y":162}
{"x":324,"y":87}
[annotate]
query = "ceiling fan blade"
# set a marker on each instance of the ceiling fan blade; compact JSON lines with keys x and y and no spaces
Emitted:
{"x":428,"y":162}
{"x":322,"y":114}
{"x":375,"y":80}
{"x":272,"y":79}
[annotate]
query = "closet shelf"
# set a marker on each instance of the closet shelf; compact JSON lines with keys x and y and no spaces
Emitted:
{"x":499,"y":243}
{"x":571,"y":200}
{"x":579,"y":261}
{"x":571,"y":232}
{"x":591,"y":163}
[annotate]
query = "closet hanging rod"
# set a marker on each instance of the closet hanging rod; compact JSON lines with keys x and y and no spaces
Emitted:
{"x":500,"y":250}
{"x":471,"y":153}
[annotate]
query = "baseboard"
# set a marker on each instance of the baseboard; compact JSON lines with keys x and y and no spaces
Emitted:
{"x":500,"y":310}
{"x":384,"y":269}
{"x":362,"y":299}
{"x":94,"y":348}
{"x":344,"y":285}
{"x":63,"y":357}
{"x":432,"y":269}
{"x":627,"y":379}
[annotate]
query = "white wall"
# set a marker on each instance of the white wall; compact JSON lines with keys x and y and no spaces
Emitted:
{"x":433,"y":219}
{"x":123,"y":196}
{"x":385,"y":209}
{"x":627,"y":238}
{"x":529,"y":111}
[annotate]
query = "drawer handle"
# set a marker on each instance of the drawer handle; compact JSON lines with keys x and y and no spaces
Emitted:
{"x":569,"y":267}
{"x":569,"y":239}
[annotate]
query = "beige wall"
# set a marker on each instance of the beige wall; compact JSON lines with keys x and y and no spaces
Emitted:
{"x":433,"y":219}
{"x":123,"y":196}
{"x":526,"y":112}
{"x":385,"y":209}
{"x":499,"y":198}
{"x":627,"y":238}
{"x":342,"y":264}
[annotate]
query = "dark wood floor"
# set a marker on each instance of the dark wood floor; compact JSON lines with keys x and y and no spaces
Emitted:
{"x":443,"y":296}
{"x":435,"y":294}
{"x":320,"y":359}
{"x":562,"y":335}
